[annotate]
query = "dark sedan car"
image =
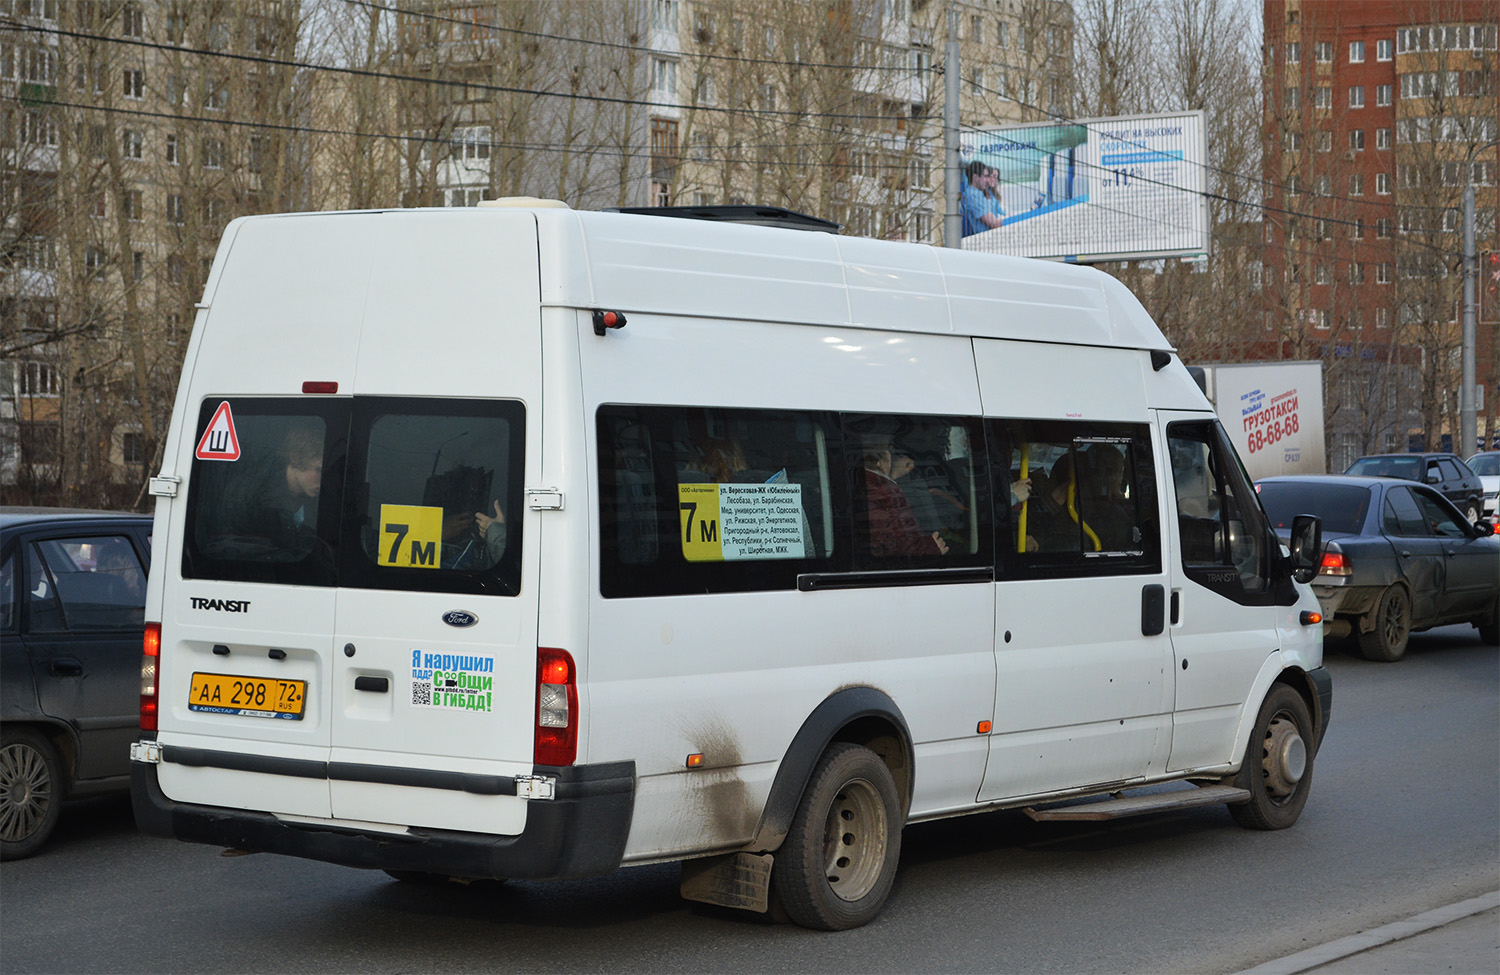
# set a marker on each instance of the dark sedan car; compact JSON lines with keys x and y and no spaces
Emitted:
{"x":72,"y":593}
{"x":1397,"y":557}
{"x":1444,"y":473}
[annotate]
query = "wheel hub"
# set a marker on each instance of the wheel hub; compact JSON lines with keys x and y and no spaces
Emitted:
{"x":1284,"y":760}
{"x":854,"y":840}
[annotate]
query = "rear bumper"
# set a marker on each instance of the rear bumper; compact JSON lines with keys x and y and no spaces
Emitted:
{"x":580,"y":833}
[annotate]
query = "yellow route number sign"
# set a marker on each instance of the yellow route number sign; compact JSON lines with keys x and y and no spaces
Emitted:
{"x":411,"y":536}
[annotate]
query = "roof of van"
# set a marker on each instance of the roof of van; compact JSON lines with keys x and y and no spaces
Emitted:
{"x":640,"y":264}
{"x":715,"y":270}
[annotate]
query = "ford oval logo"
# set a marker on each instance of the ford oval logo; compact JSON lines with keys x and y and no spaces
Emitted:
{"x":459,"y":617}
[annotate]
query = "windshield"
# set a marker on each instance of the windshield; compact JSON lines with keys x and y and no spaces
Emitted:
{"x":1409,"y":468}
{"x":1485,"y":465}
{"x":1341,"y":506}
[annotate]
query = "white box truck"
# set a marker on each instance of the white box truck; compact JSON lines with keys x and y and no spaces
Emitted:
{"x":1273,"y":413}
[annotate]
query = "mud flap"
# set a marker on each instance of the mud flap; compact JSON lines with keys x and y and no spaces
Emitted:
{"x":739,"y":880}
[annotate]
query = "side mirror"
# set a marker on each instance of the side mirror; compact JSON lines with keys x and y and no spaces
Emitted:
{"x":1307,"y":547}
{"x":1433,"y":477}
{"x":1484,"y":528}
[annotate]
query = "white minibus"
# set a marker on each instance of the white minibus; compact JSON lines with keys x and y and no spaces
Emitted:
{"x":524,"y":542}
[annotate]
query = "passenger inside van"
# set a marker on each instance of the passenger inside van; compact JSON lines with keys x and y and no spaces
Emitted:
{"x":893,"y":528}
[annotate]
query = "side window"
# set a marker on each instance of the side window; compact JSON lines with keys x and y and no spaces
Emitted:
{"x":270,"y":514}
{"x":1219,"y":519}
{"x":96,"y":581}
{"x":700,"y":499}
{"x":1075,"y":498}
{"x":1402,"y":515}
{"x":434,"y":500}
{"x":1440,"y":520}
{"x":1450,"y":471}
{"x":918,"y":490}
{"x":8,"y":572}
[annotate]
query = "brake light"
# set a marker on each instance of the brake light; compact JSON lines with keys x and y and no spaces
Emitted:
{"x":150,"y":674}
{"x":556,"y":708}
{"x":1335,"y":564}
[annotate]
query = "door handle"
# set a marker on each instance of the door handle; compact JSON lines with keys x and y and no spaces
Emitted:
{"x":379,"y":685}
{"x":67,"y":667}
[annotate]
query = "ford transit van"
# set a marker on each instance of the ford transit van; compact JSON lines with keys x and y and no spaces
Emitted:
{"x":524,"y":542}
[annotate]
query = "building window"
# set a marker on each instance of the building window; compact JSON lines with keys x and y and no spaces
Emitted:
{"x":1356,"y":52}
{"x":135,"y":83}
{"x":1323,"y":97}
{"x":664,"y":15}
{"x":1323,"y":141}
{"x":663,"y":76}
{"x":1357,"y":140}
{"x":216,"y":95}
{"x":1356,"y":184}
{"x":213,"y":154}
{"x":133,"y":208}
{"x":1294,"y":141}
{"x":1382,"y":184}
{"x":1382,"y":274}
{"x":1321,"y":275}
{"x":94,"y":261}
{"x":1382,"y":138}
{"x":100,"y":209}
{"x":132,"y":21}
{"x":176,"y":269}
{"x":664,"y":136}
{"x":137,"y":266}
{"x":1356,"y":96}
{"x":1294,"y":53}
{"x":1359,"y":228}
{"x":255,"y":148}
{"x":1383,"y":227}
{"x":132,"y":447}
{"x":1323,"y":52}
{"x":1382,"y":318}
{"x":176,"y":210}
{"x":1356,"y":273}
{"x":1293,"y":99}
{"x":1324,"y":185}
{"x":39,"y":379}
{"x":1320,"y":319}
{"x":172,"y":159}
{"x":134,"y":144}
{"x":1383,"y":50}
{"x":1382,"y":95}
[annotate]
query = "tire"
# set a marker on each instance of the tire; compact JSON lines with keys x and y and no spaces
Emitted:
{"x":836,"y":868}
{"x":421,"y":877}
{"x":1278,"y":764}
{"x":1489,"y":632}
{"x":1471,"y":509}
{"x":31,"y":792}
{"x":1386,"y":641}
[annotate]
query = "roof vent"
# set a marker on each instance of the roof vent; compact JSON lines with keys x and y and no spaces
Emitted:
{"x":754,"y":215}
{"x":524,"y":202}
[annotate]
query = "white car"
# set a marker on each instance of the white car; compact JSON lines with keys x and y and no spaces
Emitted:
{"x":1487,"y":465}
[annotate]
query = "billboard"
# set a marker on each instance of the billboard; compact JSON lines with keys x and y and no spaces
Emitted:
{"x":1087,"y":190}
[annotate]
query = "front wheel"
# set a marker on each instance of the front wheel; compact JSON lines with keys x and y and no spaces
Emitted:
{"x":1490,"y":632}
{"x":838,"y":863}
{"x":1386,"y":641}
{"x":31,"y":786}
{"x":1278,"y":764}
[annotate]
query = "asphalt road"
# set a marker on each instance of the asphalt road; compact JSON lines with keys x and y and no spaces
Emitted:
{"x":1402,"y":819}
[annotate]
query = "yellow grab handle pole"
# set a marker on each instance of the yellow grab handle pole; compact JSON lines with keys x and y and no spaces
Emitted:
{"x":1021,"y":521}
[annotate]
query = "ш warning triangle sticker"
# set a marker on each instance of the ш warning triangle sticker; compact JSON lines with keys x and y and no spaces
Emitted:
{"x":219,"y":442}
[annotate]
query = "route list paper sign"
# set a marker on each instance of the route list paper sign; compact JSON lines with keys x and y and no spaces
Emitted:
{"x":731,"y":522}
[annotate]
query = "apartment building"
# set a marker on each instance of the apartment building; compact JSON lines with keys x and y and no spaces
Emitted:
{"x":1378,"y":114}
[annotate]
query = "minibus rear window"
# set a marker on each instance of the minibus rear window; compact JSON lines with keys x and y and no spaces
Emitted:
{"x":431,"y":501}
{"x":263,"y":500}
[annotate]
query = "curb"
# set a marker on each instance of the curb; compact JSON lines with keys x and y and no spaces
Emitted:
{"x":1374,"y":938}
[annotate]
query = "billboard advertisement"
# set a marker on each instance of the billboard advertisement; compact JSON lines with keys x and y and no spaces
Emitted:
{"x":1087,"y":190}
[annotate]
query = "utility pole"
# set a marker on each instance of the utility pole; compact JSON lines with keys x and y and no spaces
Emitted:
{"x":953,"y":226}
{"x":1468,"y":424}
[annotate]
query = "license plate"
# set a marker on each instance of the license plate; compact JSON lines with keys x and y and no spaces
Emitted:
{"x":253,"y":697}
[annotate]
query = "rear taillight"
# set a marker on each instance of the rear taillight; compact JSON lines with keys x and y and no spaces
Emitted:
{"x":150,"y":675}
{"x":1335,"y":564}
{"x":556,"y":708}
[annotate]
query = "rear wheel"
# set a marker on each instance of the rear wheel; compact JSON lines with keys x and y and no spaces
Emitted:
{"x":1278,"y":764}
{"x":422,"y":877}
{"x":1472,"y":510}
{"x":31,"y":785}
{"x":1386,"y":641}
{"x":838,"y":863}
{"x":1490,"y":632}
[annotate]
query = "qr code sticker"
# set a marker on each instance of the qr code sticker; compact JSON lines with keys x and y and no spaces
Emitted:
{"x":421,"y":692}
